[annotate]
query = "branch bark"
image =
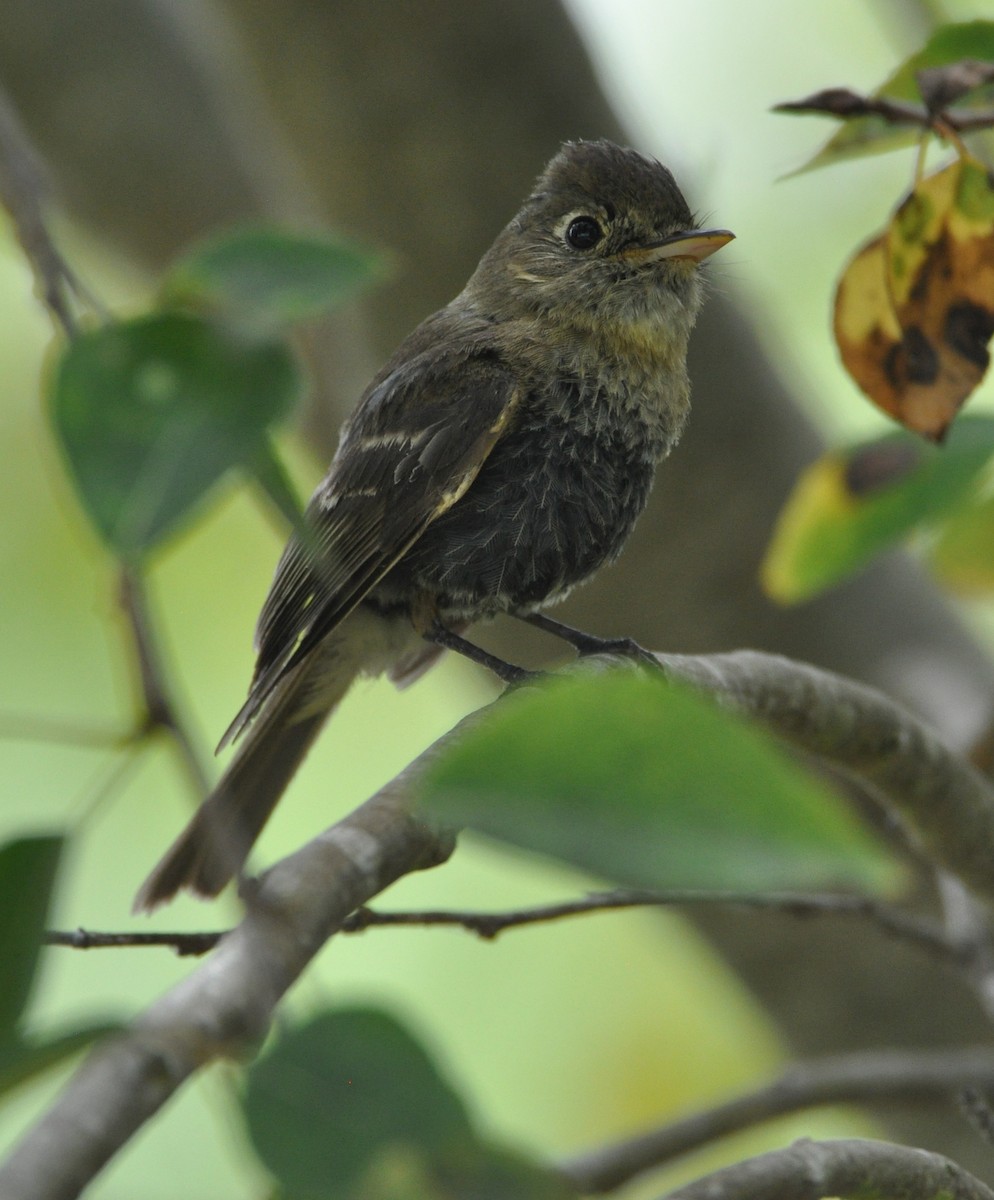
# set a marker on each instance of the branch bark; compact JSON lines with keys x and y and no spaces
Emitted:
{"x":897,"y":759}
{"x":852,"y":1168}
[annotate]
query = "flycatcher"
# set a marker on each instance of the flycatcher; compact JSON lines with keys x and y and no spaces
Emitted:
{"x":500,"y":458}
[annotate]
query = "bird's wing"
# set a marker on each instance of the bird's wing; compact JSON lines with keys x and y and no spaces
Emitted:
{"x":412,"y":448}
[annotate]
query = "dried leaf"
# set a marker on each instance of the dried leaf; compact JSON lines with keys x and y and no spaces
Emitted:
{"x":942,"y":86}
{"x":875,"y":133}
{"x":914,"y":310}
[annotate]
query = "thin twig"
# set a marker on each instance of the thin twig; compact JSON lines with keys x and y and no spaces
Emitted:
{"x":845,"y":103}
{"x":23,"y":192}
{"x":919,"y":931}
{"x":18,"y":727}
{"x":185,"y":944}
{"x":161,"y":709}
{"x":975,"y":1105}
{"x":869,"y":1076}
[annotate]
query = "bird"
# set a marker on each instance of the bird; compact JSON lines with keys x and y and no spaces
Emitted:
{"x":498,"y":459}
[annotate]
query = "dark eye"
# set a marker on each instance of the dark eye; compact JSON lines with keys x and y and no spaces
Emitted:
{"x":583,"y":233}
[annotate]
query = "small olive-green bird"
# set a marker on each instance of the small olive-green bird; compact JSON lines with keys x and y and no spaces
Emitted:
{"x":500,"y":458}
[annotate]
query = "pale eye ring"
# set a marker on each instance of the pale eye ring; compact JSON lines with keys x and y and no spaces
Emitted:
{"x":583,"y":233}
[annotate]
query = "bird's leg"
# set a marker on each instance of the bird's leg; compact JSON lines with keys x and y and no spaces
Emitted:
{"x":588,"y":643}
{"x":505,"y":671}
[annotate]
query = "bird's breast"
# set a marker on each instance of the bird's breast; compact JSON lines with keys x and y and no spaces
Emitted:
{"x":555,"y":500}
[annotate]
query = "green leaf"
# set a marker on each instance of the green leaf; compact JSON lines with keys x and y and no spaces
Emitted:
{"x":350,"y":1107}
{"x":333,"y":1094}
{"x":263,"y":279}
{"x":859,"y":138}
{"x":22,"y":1060}
{"x":28,"y":868}
{"x":152,"y":412}
{"x":650,"y":785}
{"x":852,"y":504}
{"x":963,"y":553}
{"x":872,"y":134}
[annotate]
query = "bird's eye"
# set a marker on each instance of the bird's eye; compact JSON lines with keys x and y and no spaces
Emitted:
{"x":583,"y":233}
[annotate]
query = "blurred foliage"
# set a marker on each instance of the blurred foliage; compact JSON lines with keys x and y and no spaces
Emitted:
{"x":962,"y":555}
{"x":28,"y":870}
{"x":349,"y":1105}
{"x":264,"y":279}
{"x":152,"y":412}
{"x":852,"y":504}
{"x":914,"y":313}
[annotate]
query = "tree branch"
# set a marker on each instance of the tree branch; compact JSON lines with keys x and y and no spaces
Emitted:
{"x":899,"y":761}
{"x":850,"y":1169}
{"x":161,"y":711}
{"x":225,"y":1006}
{"x":892,"y":1075}
{"x":24,"y":192}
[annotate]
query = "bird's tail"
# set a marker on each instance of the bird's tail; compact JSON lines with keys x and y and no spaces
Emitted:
{"x":215,"y":844}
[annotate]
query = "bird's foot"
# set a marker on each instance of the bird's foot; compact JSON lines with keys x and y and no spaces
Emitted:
{"x":586,"y":644}
{"x":505,"y":671}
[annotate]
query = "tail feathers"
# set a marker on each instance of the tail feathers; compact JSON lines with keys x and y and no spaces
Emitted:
{"x":213,"y":847}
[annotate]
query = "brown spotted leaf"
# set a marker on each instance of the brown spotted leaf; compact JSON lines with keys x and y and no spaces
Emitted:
{"x":914,"y":310}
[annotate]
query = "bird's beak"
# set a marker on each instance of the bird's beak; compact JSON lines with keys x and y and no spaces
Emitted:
{"x":696,"y":244}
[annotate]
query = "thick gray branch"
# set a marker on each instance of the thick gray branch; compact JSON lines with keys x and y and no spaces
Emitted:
{"x":847,"y":1169}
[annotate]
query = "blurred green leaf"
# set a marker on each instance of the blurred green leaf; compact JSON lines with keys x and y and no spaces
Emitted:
{"x":152,"y":412}
{"x":21,"y":1060}
{"x":263,"y":279}
{"x":28,"y":868}
{"x":963,"y":553}
{"x":332,"y":1094}
{"x":350,"y":1107}
{"x":650,"y":785}
{"x":859,"y":138}
{"x":851,"y":504}
{"x":872,"y":134}
{"x":272,"y":477}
